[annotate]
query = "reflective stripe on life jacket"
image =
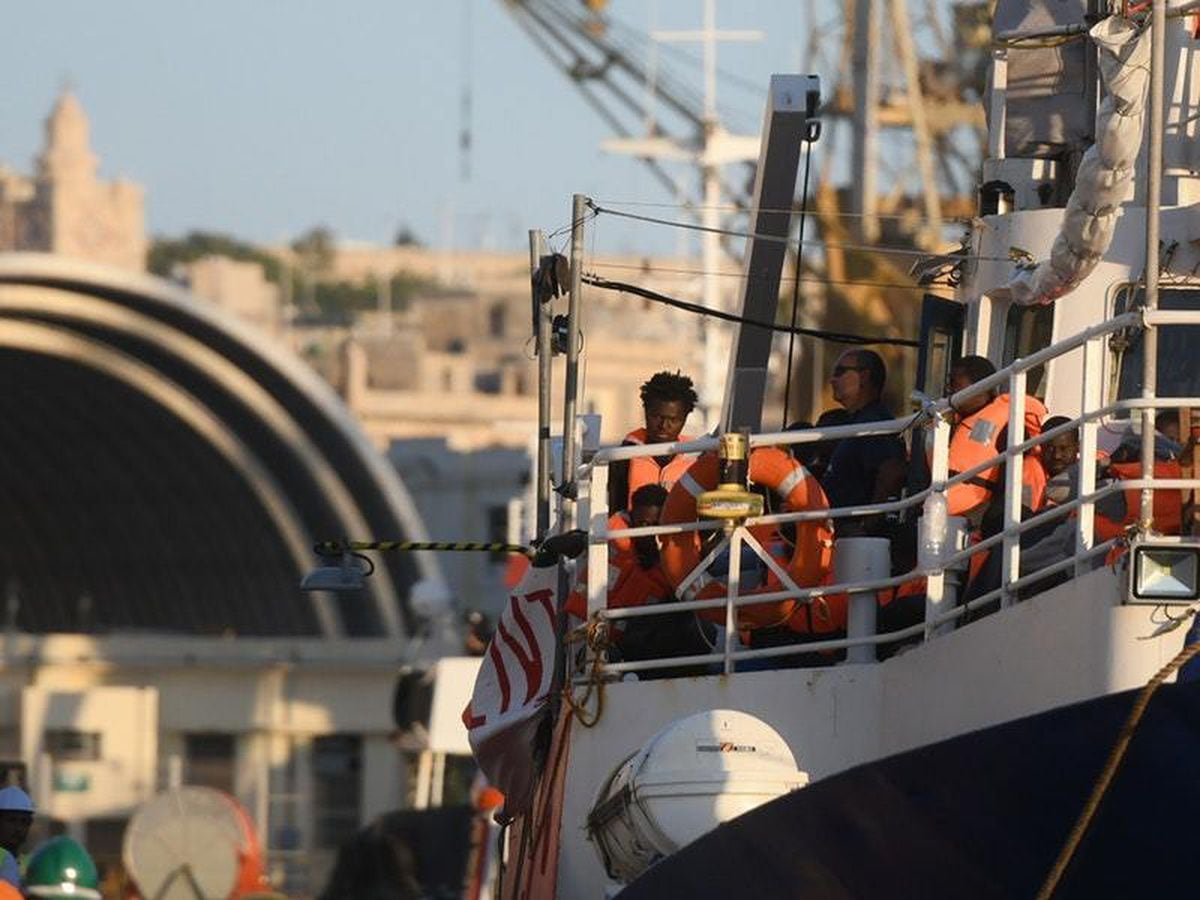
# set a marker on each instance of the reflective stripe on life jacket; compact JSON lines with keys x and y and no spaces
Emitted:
{"x":976,"y":439}
{"x":646,"y":470}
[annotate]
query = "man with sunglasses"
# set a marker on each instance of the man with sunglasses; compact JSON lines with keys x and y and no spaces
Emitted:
{"x":863,"y":469}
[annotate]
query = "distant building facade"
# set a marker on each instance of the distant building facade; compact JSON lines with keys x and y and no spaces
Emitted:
{"x":64,"y":207}
{"x":237,"y":286}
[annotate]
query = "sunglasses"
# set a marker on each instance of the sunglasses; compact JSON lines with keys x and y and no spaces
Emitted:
{"x":839,"y":371}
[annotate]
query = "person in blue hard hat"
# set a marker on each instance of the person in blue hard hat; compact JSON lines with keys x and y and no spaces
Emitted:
{"x":16,"y":815}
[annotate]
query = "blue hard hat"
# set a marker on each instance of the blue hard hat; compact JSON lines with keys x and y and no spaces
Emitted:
{"x":13,"y":799}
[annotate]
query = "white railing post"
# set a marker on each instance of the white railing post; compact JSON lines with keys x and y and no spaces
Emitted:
{"x":735,"y":580}
{"x":936,"y":599}
{"x":999,"y":96}
{"x":597,"y":562}
{"x":1090,"y":401}
{"x":1014,"y":485}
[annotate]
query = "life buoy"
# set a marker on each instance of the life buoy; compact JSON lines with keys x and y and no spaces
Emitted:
{"x":812,"y":556}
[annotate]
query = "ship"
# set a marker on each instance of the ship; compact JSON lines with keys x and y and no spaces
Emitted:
{"x":956,"y":754}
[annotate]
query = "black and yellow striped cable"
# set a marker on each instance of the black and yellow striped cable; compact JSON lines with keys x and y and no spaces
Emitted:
{"x":337,"y":548}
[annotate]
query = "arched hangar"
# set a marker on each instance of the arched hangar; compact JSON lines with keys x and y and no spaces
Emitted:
{"x":164,"y":468}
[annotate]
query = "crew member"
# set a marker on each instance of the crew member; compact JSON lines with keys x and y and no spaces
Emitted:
{"x":16,"y":815}
{"x":815,"y":456}
{"x":862,"y":470}
{"x":667,"y":400}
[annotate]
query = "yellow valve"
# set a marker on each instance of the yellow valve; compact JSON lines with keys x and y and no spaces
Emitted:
{"x":732,"y":498}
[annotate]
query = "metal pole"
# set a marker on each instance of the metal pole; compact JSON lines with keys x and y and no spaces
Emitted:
{"x":731,"y":594}
{"x":902,"y":32}
{"x":865,"y":150}
{"x":566,"y":503}
{"x":545,"y":356}
{"x":716,"y":354}
{"x":1013,"y":487}
{"x":1158,"y":29}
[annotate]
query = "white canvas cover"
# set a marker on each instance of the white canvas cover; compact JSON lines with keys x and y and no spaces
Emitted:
{"x":1105,"y":176}
{"x":1046,"y":111}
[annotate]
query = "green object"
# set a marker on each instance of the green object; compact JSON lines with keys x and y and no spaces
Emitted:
{"x":61,"y":868}
{"x":72,"y":782}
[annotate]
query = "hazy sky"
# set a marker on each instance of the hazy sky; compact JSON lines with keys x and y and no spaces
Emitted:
{"x":263,"y":118}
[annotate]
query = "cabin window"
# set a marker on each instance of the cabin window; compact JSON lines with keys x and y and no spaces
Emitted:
{"x":337,"y":764}
{"x":1178,"y":374}
{"x":1028,"y":329}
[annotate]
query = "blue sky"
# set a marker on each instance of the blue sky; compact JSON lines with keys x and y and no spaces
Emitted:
{"x":262,"y":117}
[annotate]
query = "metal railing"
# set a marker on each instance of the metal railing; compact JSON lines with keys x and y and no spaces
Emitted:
{"x":942,"y":610}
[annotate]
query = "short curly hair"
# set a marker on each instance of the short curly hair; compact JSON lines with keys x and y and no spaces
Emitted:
{"x":669,"y":387}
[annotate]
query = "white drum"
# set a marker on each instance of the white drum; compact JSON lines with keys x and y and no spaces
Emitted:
{"x":693,"y":775}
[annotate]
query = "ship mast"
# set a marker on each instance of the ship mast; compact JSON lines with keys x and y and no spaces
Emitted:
{"x":714,"y":148}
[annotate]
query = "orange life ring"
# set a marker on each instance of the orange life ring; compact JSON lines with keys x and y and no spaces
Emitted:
{"x":812,"y":556}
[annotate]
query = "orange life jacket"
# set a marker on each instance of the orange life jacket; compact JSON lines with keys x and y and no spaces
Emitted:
{"x":1168,"y":504}
{"x":628,"y":583}
{"x":976,"y":439}
{"x":646,"y":470}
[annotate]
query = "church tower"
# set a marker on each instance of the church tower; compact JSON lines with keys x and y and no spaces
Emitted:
{"x":66,"y":208}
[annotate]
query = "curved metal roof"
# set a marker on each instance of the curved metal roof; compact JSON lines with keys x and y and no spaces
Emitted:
{"x":166,"y":468}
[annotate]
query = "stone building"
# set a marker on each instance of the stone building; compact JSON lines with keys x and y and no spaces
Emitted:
{"x":64,"y":208}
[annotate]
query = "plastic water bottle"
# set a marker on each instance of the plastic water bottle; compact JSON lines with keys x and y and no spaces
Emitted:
{"x":934,"y":526}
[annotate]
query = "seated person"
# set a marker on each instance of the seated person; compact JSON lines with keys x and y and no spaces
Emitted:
{"x":1125,"y":462}
{"x":867,"y":469}
{"x":980,"y":432}
{"x":668,"y":398}
{"x":815,"y":456}
{"x":636,"y":579}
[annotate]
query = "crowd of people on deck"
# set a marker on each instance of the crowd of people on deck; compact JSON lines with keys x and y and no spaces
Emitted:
{"x":858,"y":471}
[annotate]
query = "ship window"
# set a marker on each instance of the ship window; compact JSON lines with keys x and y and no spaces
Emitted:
{"x":1028,"y":329}
{"x":1178,"y":374}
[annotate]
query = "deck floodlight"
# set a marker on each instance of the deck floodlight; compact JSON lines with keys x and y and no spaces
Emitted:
{"x":343,"y":575}
{"x":1165,"y":573}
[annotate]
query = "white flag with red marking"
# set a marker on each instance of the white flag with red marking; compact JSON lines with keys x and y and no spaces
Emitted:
{"x":513,"y":687}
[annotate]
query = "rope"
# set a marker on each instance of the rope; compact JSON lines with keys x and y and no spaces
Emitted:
{"x":787,"y":384}
{"x":835,"y":336}
{"x":774,"y":238}
{"x":595,"y":635}
{"x":749,"y":208}
{"x":337,"y":548}
{"x":1115,"y":757}
{"x":676,"y":270}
